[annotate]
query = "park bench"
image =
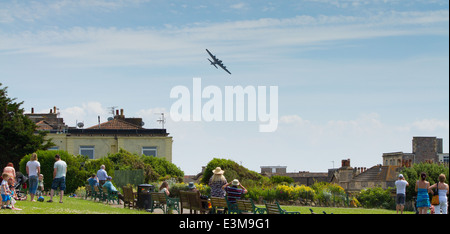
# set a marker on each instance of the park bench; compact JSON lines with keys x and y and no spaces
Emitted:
{"x":275,"y":208}
{"x":164,"y":202}
{"x":98,"y":194}
{"x":110,"y":196}
{"x":129,"y":197}
{"x":89,"y":191}
{"x":232,"y":207}
{"x":219,"y":204}
{"x":184,"y":201}
{"x":193,"y":202}
{"x":249,"y":207}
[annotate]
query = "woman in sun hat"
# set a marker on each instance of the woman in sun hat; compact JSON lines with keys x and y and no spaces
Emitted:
{"x":216,"y":182}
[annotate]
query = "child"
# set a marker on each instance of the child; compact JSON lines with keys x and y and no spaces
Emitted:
{"x":13,"y":197}
{"x":5,"y":191}
{"x":40,"y":190}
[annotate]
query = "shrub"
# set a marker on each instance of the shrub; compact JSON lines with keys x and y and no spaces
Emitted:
{"x":232,"y":171}
{"x":375,"y":198}
{"x":276,"y":179}
{"x":75,"y":177}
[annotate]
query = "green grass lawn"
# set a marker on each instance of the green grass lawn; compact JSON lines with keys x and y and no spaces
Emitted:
{"x":336,"y":210}
{"x":81,"y":206}
{"x":69,"y":206}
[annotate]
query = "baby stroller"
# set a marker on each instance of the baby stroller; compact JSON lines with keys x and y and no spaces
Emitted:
{"x":20,"y":181}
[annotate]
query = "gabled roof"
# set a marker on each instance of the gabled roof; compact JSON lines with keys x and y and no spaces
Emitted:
{"x":116,"y":124}
{"x":43,"y":125}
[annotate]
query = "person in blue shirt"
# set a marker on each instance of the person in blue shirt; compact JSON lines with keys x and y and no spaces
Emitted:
{"x":102,"y":175}
{"x":93,"y":181}
{"x":110,"y":187}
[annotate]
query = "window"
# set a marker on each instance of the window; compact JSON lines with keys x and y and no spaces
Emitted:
{"x":54,"y":148}
{"x":149,"y":151}
{"x":87,"y":150}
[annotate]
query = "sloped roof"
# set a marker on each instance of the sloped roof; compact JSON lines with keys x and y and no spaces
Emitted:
{"x":378,"y":173}
{"x":116,"y":124}
{"x":43,"y":125}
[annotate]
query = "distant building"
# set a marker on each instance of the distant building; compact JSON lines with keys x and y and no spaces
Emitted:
{"x":424,"y":149}
{"x":105,"y":138}
{"x":353,"y":180}
{"x":302,"y":177}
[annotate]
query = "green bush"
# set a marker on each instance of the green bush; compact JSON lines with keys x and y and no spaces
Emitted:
{"x":376,"y":198}
{"x":79,"y":168}
{"x":75,"y":177}
{"x":232,"y":171}
{"x":276,"y":179}
{"x":431,"y":169}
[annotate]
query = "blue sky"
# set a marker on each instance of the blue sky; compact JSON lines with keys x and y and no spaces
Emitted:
{"x":356,"y":78}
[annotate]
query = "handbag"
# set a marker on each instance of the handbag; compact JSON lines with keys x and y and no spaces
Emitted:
{"x":435,"y":197}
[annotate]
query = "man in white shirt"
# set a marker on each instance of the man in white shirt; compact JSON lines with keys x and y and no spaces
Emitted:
{"x":401,"y":184}
{"x":59,"y":178}
{"x":102,"y":175}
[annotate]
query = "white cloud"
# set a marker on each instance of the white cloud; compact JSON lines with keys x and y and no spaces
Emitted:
{"x":87,"y":113}
{"x":33,"y":10}
{"x":240,"y":5}
{"x":430,"y":125}
{"x":122,"y":47}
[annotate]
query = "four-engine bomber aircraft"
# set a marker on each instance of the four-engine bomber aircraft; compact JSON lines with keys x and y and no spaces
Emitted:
{"x":217,"y":61}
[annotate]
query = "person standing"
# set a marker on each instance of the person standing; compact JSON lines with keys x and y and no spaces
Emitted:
{"x":216,"y":182}
{"x":234,"y":192}
{"x":59,"y":178}
{"x":401,"y":184}
{"x":422,"y":189}
{"x":102,"y":175}
{"x":10,"y":170}
{"x":33,"y":170}
{"x":442,"y":192}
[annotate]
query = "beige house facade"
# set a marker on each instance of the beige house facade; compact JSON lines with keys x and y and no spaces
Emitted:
{"x":105,"y":138}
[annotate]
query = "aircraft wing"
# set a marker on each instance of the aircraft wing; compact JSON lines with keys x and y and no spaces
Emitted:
{"x":224,"y":68}
{"x":212,"y":56}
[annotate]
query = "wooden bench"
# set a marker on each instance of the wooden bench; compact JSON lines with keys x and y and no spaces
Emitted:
{"x":89,"y":192}
{"x":184,"y":201}
{"x":249,"y":207}
{"x":129,"y":197}
{"x":162,"y":201}
{"x":275,"y":208}
{"x":196,"y":203}
{"x":98,"y":194}
{"x":219,"y":204}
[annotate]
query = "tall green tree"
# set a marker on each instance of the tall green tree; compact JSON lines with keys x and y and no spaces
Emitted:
{"x":18,"y":136}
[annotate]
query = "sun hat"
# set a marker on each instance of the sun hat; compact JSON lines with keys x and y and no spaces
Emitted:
{"x":235,"y":182}
{"x":191,"y":185}
{"x":218,"y":171}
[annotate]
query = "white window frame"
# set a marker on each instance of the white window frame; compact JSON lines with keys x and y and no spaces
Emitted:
{"x":148,"y":148}
{"x":85,"y":148}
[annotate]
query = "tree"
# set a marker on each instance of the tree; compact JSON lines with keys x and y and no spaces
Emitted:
{"x":18,"y":135}
{"x":432,"y":170}
{"x":232,"y":171}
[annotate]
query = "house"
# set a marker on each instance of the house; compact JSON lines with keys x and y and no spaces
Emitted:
{"x":105,"y":138}
{"x":424,"y":149}
{"x":353,"y":180}
{"x":302,"y":177}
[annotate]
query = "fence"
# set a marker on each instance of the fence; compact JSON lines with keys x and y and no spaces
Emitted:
{"x":124,"y":177}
